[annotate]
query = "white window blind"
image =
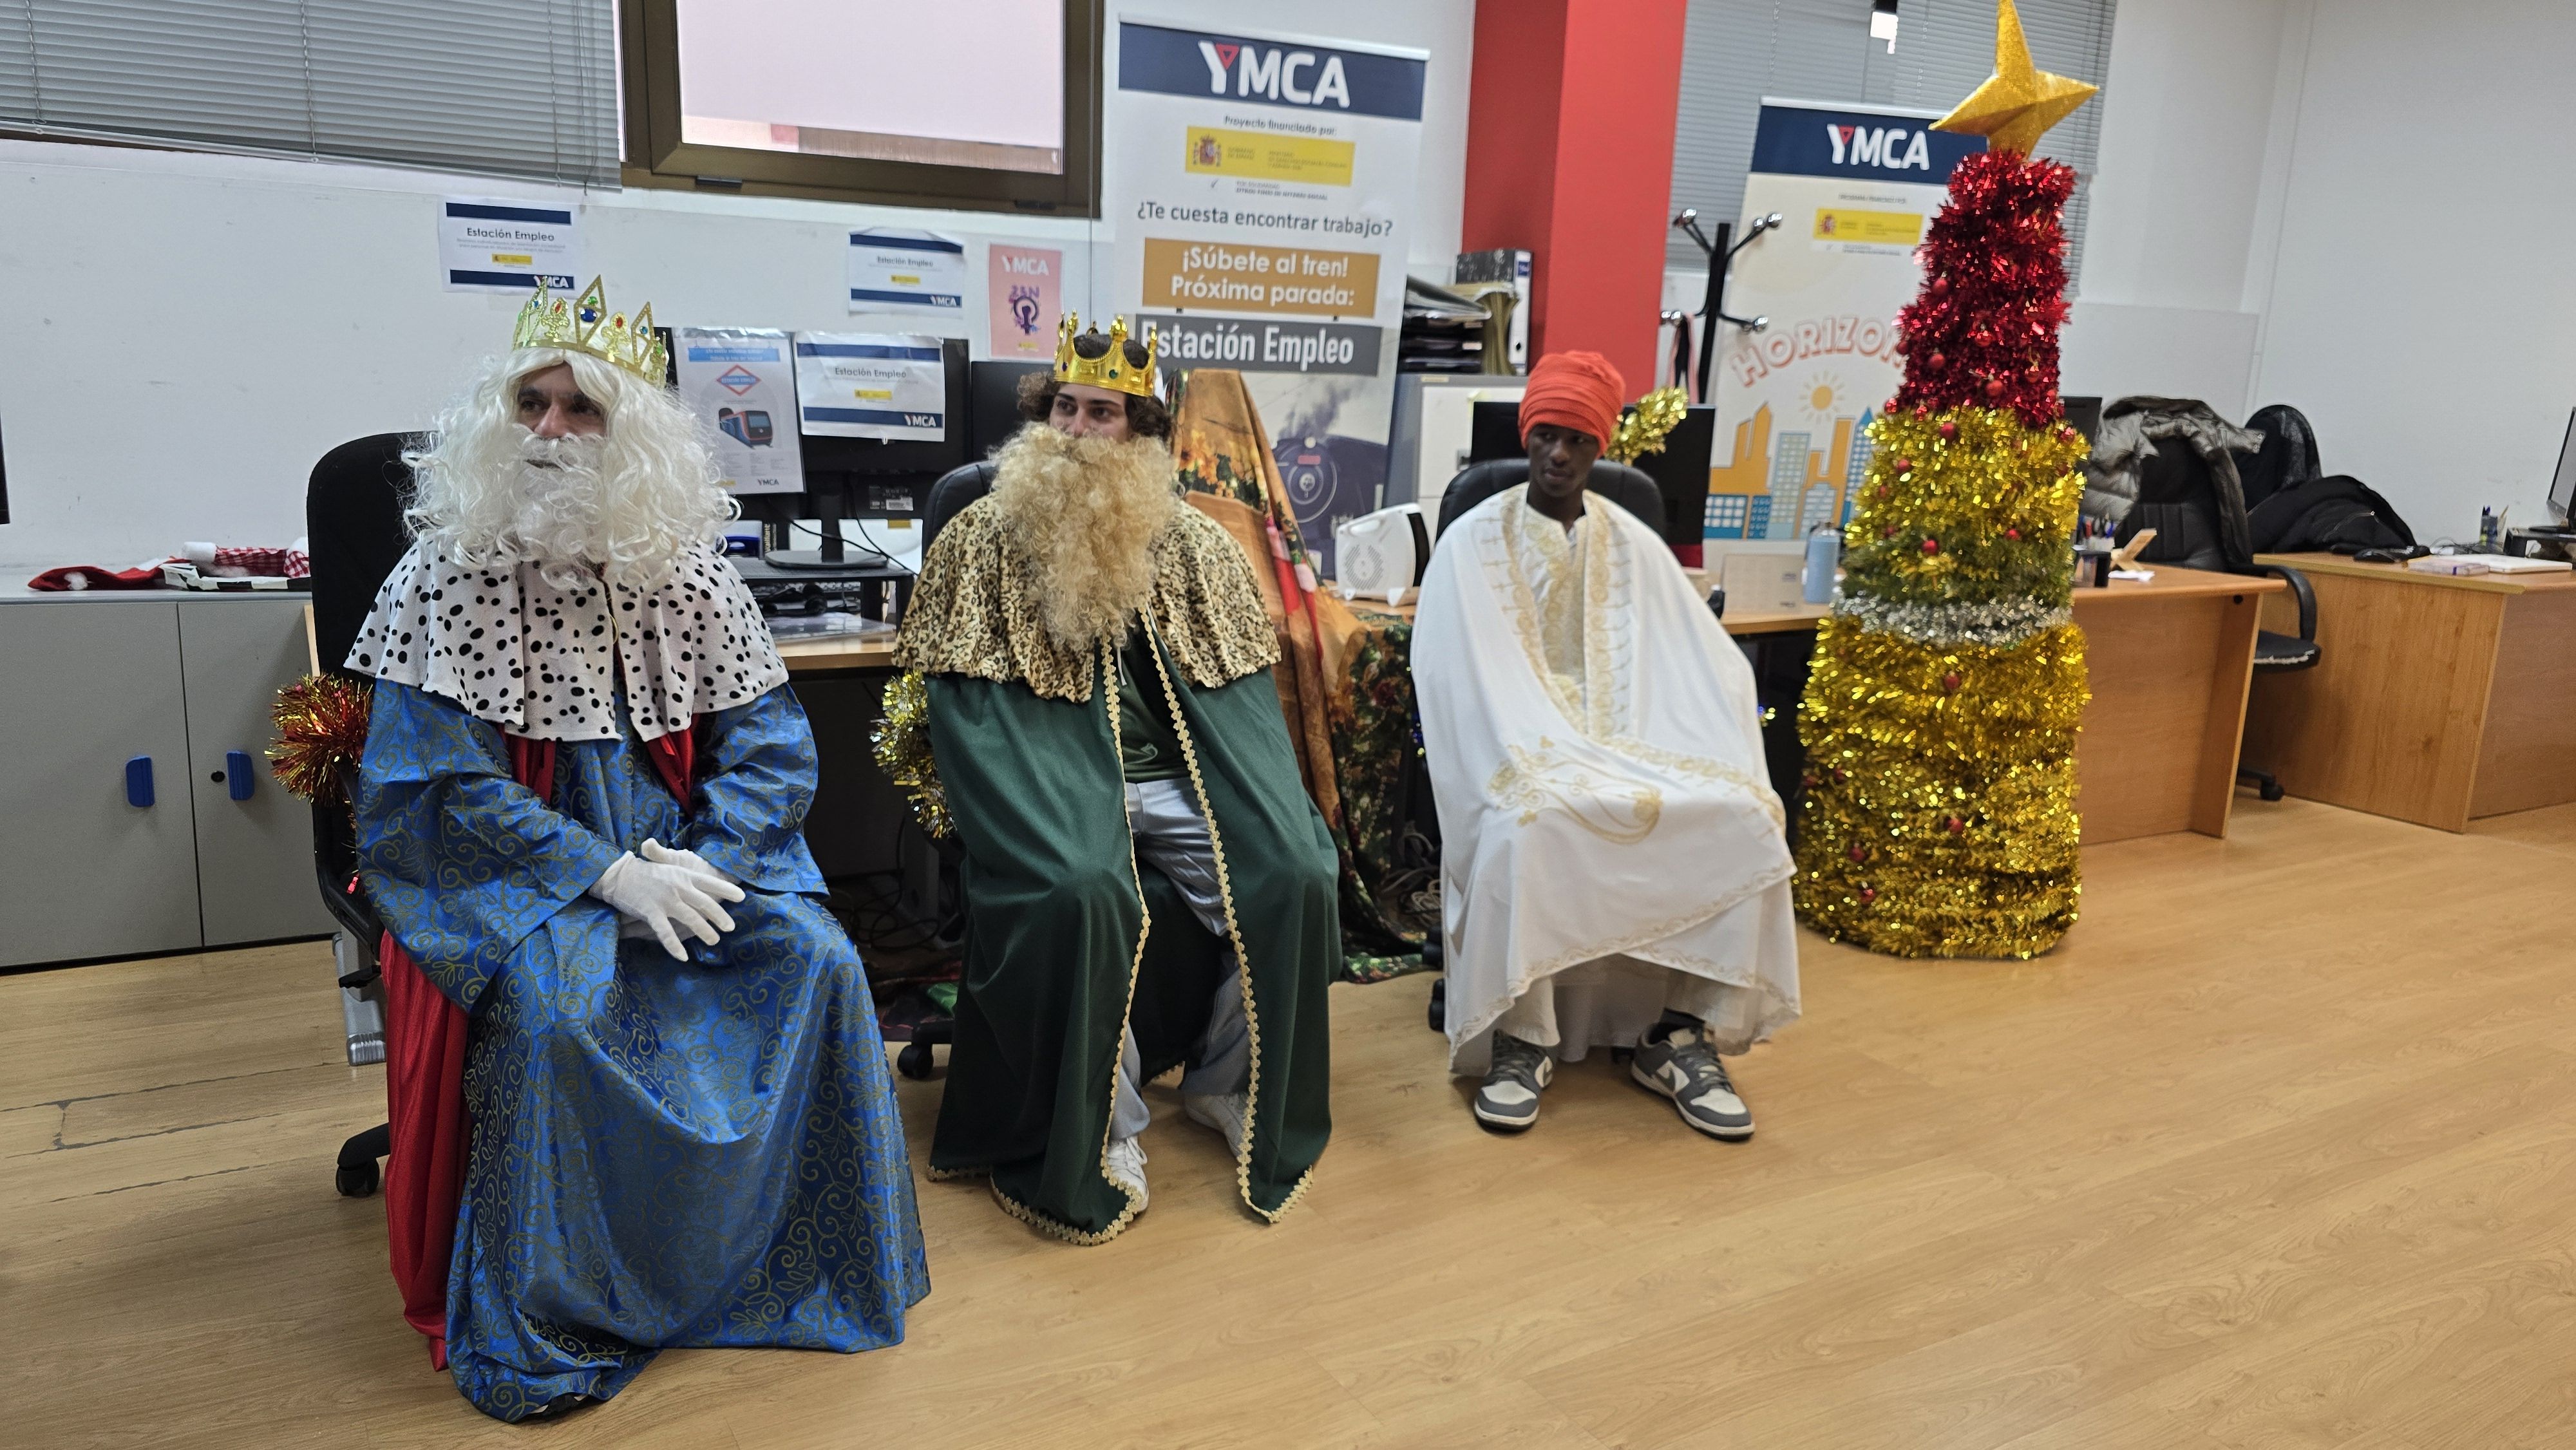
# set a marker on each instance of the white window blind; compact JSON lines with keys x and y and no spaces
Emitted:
{"x":1735,"y":52}
{"x":500,"y":87}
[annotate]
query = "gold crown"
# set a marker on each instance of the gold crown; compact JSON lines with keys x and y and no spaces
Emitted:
{"x":585,"y":325}
{"x":1110,"y":369}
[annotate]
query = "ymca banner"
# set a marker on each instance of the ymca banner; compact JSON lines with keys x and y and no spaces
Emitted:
{"x":1855,"y":187}
{"x":1262,"y":188}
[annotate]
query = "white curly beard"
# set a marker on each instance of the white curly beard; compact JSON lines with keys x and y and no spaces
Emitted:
{"x":1084,"y":513}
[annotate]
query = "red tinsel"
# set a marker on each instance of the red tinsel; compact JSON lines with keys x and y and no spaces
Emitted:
{"x":321,"y":731}
{"x":1983,"y":331}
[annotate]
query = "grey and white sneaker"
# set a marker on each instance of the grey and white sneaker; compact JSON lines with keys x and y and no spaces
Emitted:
{"x":1124,"y":1165}
{"x":1685,"y":1068}
{"x":1224,"y":1112}
{"x":1509,"y":1099}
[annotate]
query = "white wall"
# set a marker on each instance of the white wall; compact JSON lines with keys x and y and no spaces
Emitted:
{"x":2186,"y":131}
{"x":182,"y":335}
{"x":2422,"y":307}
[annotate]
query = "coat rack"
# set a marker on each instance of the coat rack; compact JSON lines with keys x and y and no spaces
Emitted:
{"x":1721,"y":256}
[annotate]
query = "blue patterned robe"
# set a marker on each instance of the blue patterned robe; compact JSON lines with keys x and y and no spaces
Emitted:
{"x":662,"y":1153}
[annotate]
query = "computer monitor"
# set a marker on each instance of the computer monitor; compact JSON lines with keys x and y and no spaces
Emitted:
{"x":2562,"y":489}
{"x":993,"y":404}
{"x":866,"y":478}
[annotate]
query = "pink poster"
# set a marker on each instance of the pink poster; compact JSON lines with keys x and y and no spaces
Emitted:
{"x":1025,"y":297}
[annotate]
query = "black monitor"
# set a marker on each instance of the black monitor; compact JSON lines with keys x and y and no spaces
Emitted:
{"x":1680,"y":472}
{"x":1495,"y":432}
{"x":865,"y":478}
{"x":2562,"y":489}
{"x":2085,"y":414}
{"x":993,"y":404}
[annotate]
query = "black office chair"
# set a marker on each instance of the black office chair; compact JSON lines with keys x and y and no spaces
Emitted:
{"x":1627,"y":487}
{"x":354,"y":532}
{"x":955,"y":489}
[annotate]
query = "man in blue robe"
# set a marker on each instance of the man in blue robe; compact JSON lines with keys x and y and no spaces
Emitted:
{"x":579,"y":816}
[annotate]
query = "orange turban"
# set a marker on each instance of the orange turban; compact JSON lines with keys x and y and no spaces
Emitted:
{"x":1577,"y":390}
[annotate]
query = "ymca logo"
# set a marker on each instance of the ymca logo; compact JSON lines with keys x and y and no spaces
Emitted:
{"x":1890,"y":148}
{"x":1274,"y":74}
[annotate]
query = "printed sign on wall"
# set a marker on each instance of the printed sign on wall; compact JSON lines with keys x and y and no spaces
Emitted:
{"x":898,"y":271}
{"x":489,"y":245}
{"x":871,"y":385}
{"x":741,"y":381}
{"x":1855,"y":188}
{"x":1025,"y":290}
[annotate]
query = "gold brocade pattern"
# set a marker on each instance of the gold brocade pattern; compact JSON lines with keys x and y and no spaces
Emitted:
{"x":1622,"y":812}
{"x":975,"y":609}
{"x":1593,"y":604}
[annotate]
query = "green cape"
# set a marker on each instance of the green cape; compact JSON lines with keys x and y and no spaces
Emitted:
{"x":1058,"y":955}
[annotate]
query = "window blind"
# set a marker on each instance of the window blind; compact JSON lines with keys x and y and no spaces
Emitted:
{"x":1735,"y":52}
{"x":524,"y":88}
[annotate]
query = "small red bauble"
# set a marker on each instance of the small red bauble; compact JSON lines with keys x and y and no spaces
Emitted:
{"x":1940,"y":286}
{"x":1931,"y":546}
{"x":1867,"y":896}
{"x":1950,"y":682}
{"x":1860,"y":853}
{"x":1955,"y":825}
{"x":2013,"y":534}
{"x":1994,"y":387}
{"x":1808,"y":781}
{"x":1949,"y":430}
{"x":1905,"y":465}
{"x":1938,"y":360}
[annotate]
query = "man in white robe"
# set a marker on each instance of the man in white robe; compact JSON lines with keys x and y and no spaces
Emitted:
{"x":1613,"y":866}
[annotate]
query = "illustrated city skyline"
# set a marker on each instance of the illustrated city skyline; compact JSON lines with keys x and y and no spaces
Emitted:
{"x":1821,"y":485}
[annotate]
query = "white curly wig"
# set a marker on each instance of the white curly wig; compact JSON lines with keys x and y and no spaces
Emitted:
{"x":628,"y":503}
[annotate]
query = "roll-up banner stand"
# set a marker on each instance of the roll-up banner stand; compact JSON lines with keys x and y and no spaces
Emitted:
{"x":1856,"y":188}
{"x":1262,"y":190}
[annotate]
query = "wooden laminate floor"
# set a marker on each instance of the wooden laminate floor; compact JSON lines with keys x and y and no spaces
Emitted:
{"x":2278,"y":1150}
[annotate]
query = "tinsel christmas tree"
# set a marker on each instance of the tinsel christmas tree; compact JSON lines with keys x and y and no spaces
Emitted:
{"x":1940,"y":715}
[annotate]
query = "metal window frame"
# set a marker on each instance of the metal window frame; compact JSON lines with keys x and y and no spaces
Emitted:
{"x":657,"y":157}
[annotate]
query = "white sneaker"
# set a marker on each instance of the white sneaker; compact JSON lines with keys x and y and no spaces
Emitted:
{"x":1124,"y":1165}
{"x":1225,"y":1112}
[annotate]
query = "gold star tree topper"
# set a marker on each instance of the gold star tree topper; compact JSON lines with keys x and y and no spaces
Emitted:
{"x":2019,"y":102}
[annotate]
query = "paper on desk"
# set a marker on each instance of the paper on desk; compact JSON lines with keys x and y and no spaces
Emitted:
{"x":2140,"y":575}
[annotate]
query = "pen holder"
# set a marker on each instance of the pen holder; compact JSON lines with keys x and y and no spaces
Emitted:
{"x":2092,"y":568}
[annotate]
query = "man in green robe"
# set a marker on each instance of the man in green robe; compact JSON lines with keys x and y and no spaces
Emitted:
{"x":1147,"y":883}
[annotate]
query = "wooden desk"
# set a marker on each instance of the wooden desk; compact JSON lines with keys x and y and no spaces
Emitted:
{"x":837,"y":652}
{"x":2170,"y":659}
{"x":2435,"y":699}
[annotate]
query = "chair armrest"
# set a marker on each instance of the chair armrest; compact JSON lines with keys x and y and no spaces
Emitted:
{"x":2299,"y":586}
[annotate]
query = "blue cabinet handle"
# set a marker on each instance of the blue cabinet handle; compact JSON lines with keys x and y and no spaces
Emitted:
{"x":237,"y":774}
{"x":138,"y":782}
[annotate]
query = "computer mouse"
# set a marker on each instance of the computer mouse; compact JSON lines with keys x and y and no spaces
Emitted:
{"x":2373,"y":556}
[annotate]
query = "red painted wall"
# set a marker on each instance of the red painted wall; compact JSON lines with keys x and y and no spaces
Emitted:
{"x":1570,"y":154}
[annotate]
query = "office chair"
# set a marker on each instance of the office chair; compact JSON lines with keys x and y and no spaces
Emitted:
{"x":353,"y":526}
{"x":1630,"y":488}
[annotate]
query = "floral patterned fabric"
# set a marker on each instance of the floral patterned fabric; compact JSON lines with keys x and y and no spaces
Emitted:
{"x":662,"y":1152}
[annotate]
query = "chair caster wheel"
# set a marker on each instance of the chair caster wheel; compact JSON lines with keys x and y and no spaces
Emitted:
{"x":1623,"y":1055}
{"x":1440,"y":1005}
{"x":914,"y":1061}
{"x":355,"y":1180}
{"x":2272,"y":792}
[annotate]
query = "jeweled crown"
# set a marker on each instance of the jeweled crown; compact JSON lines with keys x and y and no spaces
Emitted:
{"x":586,"y":325}
{"x":1109,"y":370}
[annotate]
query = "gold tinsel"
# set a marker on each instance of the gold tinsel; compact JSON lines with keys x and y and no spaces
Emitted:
{"x":902,"y":743}
{"x":1642,"y":431}
{"x":321,"y":730}
{"x":1938,"y":818}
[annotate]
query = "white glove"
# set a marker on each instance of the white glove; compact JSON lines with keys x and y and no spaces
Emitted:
{"x":661,"y":855}
{"x":665,"y":896}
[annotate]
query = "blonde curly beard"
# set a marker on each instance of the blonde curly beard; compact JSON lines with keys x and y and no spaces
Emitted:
{"x":1084,"y":513}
